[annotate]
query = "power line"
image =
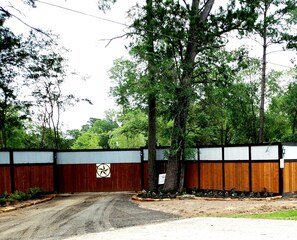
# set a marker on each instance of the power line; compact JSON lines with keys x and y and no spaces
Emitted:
{"x":280,"y":65}
{"x":82,"y":13}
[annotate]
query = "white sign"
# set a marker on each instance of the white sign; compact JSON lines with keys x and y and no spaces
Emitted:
{"x":282,"y":163}
{"x":161,"y":179}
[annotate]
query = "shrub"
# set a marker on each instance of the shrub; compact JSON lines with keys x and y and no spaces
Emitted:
{"x":35,"y":192}
{"x":2,"y":202}
{"x":19,"y":196}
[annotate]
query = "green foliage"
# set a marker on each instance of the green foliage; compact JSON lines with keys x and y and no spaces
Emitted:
{"x":87,"y":140}
{"x":18,"y":196}
{"x":12,"y":61}
{"x":35,"y":192}
{"x":290,"y":100}
{"x":2,"y":201}
{"x":132,"y":131}
{"x":32,"y":193}
{"x":281,"y":215}
{"x":96,"y":133}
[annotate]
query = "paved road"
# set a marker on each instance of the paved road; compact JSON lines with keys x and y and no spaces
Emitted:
{"x":76,"y":215}
{"x":204,"y":228}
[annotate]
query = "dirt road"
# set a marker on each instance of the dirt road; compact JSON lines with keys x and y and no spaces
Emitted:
{"x":220,"y":207}
{"x":76,"y":214}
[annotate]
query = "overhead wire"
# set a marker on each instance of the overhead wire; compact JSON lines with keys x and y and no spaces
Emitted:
{"x":82,"y":13}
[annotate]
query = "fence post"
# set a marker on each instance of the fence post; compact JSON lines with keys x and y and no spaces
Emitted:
{"x":11,"y":162}
{"x":55,"y":169}
{"x":281,"y":170}
{"x":199,"y":165}
{"x":250,"y":169}
{"x":141,"y":169}
{"x":223,"y":168}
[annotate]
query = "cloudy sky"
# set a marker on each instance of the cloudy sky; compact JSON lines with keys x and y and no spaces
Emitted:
{"x":89,"y":56}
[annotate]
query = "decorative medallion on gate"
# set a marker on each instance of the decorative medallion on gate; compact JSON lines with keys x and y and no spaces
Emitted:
{"x":103,"y":170}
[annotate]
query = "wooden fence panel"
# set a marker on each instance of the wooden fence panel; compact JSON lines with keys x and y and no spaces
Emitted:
{"x":211,"y":175}
{"x":191,"y":174}
{"x":26,"y":177}
{"x":265,"y":176}
{"x":5,"y":179}
{"x":82,"y":178}
{"x":290,"y":177}
{"x":237,"y":176}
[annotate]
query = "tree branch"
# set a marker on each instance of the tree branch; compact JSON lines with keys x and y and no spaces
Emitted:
{"x":111,"y":39}
{"x":23,"y":22}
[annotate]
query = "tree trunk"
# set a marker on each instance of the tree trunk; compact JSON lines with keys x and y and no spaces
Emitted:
{"x":175,"y":172}
{"x":152,"y":169}
{"x":174,"y":179}
{"x":263,"y":78}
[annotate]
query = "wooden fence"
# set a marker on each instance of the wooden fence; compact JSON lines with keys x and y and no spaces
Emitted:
{"x":271,"y":168}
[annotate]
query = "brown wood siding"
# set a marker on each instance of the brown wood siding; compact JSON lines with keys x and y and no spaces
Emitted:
{"x":82,"y":178}
{"x":26,"y":177}
{"x":211,"y":175}
{"x":265,"y":177}
{"x":290,"y":177}
{"x":191,"y":175}
{"x":5,"y":180}
{"x":237,"y":176}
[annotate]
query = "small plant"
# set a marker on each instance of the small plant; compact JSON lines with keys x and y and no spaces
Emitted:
{"x":242,"y":195}
{"x":19,"y":196}
{"x":194,"y":191}
{"x":149,"y":194}
{"x":265,"y":194}
{"x":199,"y":194}
{"x":258,"y":195}
{"x":5,"y":195}
{"x":35,"y":192}
{"x":252,"y":194}
{"x":2,"y":202}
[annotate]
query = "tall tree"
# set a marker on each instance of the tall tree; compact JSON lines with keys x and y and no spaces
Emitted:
{"x":201,"y":34}
{"x":13,"y":57}
{"x":152,"y":113}
{"x":291,"y":109}
{"x":272,"y":27}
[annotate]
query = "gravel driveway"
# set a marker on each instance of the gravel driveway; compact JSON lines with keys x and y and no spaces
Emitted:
{"x":77,"y":214}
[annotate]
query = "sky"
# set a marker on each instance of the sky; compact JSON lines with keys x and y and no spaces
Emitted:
{"x":89,"y":56}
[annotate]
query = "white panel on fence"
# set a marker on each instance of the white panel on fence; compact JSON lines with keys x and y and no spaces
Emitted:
{"x":145,"y":154}
{"x":4,"y":158}
{"x":160,"y":154}
{"x":211,"y":154}
{"x":89,"y":157}
{"x":33,"y":157}
{"x":269,"y":152}
{"x":236,"y":153}
{"x":290,"y":152}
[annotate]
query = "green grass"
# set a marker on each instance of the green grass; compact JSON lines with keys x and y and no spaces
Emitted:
{"x":282,"y":215}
